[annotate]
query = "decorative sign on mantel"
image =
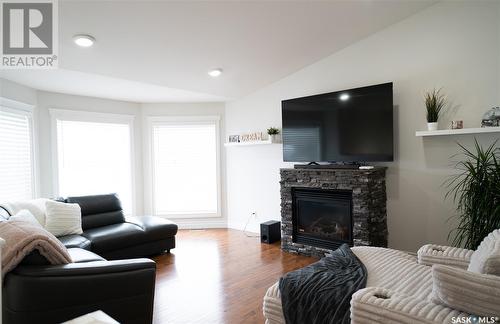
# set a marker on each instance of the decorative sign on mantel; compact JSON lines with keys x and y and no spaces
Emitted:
{"x":247,"y":137}
{"x":234,"y":138}
{"x":251,"y":137}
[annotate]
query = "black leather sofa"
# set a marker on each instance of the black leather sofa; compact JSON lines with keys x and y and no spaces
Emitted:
{"x":104,"y":274}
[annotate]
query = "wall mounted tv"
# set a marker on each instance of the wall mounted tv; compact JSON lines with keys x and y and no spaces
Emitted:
{"x":354,"y":125}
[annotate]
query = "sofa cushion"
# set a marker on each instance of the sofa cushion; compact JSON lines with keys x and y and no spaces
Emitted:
{"x":486,"y":259}
{"x":146,"y":249}
{"x":99,"y":210}
{"x":34,"y":258}
{"x":75,"y":241}
{"x":81,"y":255}
{"x":467,"y":291}
{"x":77,"y":253}
{"x":156,"y":228}
{"x":115,"y":237}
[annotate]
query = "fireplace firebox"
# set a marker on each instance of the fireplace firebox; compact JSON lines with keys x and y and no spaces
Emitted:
{"x":322,"y":218}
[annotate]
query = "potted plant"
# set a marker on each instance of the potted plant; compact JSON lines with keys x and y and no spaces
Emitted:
{"x":476,"y":190}
{"x":273,"y":133}
{"x":434,"y":103}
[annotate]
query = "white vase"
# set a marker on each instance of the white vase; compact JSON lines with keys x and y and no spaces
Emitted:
{"x":274,"y":138}
{"x":432,"y":126}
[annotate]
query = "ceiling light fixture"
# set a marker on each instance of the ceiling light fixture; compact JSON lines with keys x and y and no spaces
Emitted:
{"x":84,"y":40}
{"x":344,"y":97}
{"x":215,"y":73}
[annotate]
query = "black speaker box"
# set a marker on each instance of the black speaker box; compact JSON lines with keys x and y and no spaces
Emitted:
{"x":270,"y":232}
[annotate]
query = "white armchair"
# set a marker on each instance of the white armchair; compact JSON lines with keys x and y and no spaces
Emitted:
{"x":438,"y":285}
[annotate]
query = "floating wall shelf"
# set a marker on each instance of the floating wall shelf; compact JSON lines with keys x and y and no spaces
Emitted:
{"x":266,"y":142}
{"x":459,"y":131}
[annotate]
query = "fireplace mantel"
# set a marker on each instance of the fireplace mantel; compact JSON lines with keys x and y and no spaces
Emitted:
{"x":369,"y":214}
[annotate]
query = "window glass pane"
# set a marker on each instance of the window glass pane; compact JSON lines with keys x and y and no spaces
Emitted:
{"x":16,"y":161}
{"x":94,"y":158}
{"x":185,"y":169}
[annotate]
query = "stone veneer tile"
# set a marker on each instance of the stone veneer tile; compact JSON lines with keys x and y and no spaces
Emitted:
{"x":368,"y":197}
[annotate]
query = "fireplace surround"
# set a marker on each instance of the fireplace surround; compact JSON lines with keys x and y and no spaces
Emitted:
{"x":321,"y":209}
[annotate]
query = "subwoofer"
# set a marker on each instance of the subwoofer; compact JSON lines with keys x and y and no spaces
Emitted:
{"x":270,"y":232}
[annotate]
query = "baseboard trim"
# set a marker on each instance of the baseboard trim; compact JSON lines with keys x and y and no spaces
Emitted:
{"x":201,"y":224}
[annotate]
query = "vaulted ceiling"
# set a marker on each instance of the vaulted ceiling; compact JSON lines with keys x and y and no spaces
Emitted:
{"x":153,"y":51}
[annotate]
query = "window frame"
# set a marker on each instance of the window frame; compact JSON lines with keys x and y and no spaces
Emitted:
{"x":27,"y":110}
{"x":149,"y":169}
{"x":92,"y":117}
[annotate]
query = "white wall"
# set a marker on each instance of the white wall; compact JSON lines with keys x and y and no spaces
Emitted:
{"x":44,"y":101}
{"x":49,"y":100}
{"x":454,"y":45}
{"x":14,"y":91}
{"x":190,"y":109}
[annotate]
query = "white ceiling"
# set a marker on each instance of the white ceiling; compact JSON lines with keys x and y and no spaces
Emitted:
{"x":158,"y":51}
{"x":101,"y":86}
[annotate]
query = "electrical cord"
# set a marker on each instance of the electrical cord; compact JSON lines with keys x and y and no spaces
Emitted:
{"x":246,"y":225}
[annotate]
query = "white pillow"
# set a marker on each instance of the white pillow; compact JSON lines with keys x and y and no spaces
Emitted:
{"x":62,"y":218}
{"x":35,"y":206}
{"x":486,"y":259}
{"x":26,"y":216}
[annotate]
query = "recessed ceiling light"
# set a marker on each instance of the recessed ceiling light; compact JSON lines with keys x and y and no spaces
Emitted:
{"x":84,"y":40}
{"x":215,"y":72}
{"x":344,"y":97}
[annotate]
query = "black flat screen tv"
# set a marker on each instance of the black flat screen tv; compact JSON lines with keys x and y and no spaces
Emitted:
{"x":354,"y":125}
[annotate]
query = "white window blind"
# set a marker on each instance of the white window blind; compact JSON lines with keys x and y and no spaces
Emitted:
{"x":94,"y":158}
{"x":16,"y":155}
{"x":185,"y":169}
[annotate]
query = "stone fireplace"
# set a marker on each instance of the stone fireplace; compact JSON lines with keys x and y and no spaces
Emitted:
{"x":324,"y":208}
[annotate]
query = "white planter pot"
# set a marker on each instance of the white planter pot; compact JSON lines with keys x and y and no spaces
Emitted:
{"x":274,"y":138}
{"x":432,"y":126}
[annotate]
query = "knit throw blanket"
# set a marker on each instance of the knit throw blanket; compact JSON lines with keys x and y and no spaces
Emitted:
{"x":321,"y":292}
{"x":22,"y":238}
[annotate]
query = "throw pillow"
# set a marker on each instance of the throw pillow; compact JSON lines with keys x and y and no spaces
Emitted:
{"x":35,"y":206}
{"x":486,"y":259}
{"x":473,"y":293}
{"x":62,"y":218}
{"x":26,"y":216}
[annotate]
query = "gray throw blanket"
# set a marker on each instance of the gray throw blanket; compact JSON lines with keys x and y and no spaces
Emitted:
{"x":321,"y":292}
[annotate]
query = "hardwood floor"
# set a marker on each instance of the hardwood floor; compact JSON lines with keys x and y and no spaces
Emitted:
{"x":218,"y":276}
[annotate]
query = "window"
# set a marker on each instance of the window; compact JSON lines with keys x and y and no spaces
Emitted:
{"x":94,"y":155}
{"x":16,"y":155}
{"x":185,"y":163}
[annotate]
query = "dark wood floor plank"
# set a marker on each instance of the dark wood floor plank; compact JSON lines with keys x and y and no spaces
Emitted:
{"x":218,"y":276}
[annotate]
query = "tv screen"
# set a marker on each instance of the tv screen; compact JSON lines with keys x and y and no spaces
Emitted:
{"x":354,"y":125}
